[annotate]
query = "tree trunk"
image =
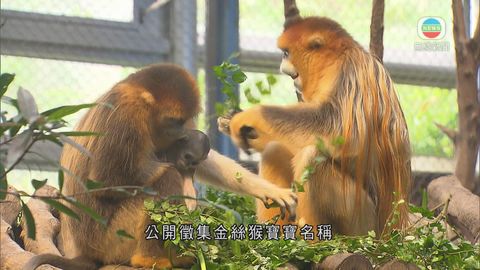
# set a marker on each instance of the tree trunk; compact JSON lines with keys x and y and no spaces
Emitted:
{"x":344,"y":261}
{"x":468,"y":59}
{"x":376,"y":29}
{"x":464,"y":207}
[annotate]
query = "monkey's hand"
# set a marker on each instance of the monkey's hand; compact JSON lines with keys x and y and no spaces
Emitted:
{"x":224,"y":124}
{"x":247,"y":129}
{"x":283,"y":197}
{"x":223,"y":121}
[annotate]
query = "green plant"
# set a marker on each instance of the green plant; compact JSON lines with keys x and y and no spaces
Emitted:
{"x":230,"y":75}
{"x":426,"y":246}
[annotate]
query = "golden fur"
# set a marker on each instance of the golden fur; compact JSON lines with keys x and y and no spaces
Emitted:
{"x":141,"y":119}
{"x":348,"y":94}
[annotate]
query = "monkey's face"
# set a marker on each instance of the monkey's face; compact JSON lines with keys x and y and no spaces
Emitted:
{"x":310,"y":47}
{"x":187,"y":152}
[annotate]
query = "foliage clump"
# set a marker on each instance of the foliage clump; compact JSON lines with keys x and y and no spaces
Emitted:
{"x":426,"y":246}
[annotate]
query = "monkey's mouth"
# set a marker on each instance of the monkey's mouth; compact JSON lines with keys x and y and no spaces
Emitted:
{"x":186,"y":165}
{"x":297,"y":82}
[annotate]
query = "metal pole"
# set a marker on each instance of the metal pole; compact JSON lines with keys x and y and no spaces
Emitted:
{"x":221,"y":40}
{"x":183,"y":34}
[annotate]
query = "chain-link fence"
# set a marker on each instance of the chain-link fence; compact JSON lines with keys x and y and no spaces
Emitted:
{"x":63,"y":56}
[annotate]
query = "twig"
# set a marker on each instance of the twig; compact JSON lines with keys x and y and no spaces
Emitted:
{"x":422,"y":217}
{"x":19,"y":158}
{"x":443,"y":214}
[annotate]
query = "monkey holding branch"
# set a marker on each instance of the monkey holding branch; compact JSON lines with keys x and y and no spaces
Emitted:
{"x":348,"y":97}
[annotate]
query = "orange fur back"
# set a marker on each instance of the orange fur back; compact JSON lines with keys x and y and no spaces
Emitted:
{"x":335,"y":70}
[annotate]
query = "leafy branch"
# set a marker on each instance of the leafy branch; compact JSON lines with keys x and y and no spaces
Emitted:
{"x":22,"y":131}
{"x":230,"y":75}
{"x":425,"y":245}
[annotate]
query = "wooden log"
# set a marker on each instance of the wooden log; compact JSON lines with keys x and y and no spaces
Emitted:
{"x":464,"y":208}
{"x":10,"y":207}
{"x":344,"y":261}
{"x":398,"y":265}
{"x":12,"y":256}
{"x":47,"y":226}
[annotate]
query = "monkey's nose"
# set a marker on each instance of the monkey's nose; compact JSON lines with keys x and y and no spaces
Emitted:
{"x":188,"y":157}
{"x":294,"y":76}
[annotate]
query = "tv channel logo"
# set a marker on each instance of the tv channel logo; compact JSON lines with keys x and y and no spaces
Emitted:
{"x":431,"y":28}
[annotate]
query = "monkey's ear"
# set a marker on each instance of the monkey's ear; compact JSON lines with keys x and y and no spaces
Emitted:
{"x":315,"y":42}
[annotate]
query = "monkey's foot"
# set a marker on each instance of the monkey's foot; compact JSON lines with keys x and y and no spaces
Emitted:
{"x":149,"y":262}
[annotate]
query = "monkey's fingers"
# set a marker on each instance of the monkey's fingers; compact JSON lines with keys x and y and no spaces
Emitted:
{"x":286,"y":200}
{"x":224,"y":125}
{"x":292,"y":212}
{"x":282,"y":212}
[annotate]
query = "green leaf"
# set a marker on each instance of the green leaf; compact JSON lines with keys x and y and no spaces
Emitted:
{"x":60,"y":112}
{"x":80,"y":133}
{"x":5,"y":80}
{"x":61,"y":179}
{"x":423,"y":211}
{"x":259,"y":86}
{"x":123,"y":233}
{"x":424,"y":199}
{"x":250,"y":97}
{"x":321,"y":146}
{"x":238,"y":76}
{"x":3,"y":182}
{"x":61,"y":207}
{"x":299,"y":187}
{"x":91,"y":184}
{"x":149,"y":204}
{"x":220,"y":108}
{"x":89,"y":211}
{"x":27,"y":214}
{"x":338,"y":141}
{"x":219,"y":72}
{"x":238,"y":177}
{"x":37,"y":184}
{"x":271,"y":79}
{"x":201,"y":259}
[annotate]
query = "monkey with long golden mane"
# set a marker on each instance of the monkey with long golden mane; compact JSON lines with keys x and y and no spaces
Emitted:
{"x":147,"y":140}
{"x":348,"y":97}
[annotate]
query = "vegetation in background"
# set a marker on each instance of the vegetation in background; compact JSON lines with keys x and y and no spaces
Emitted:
{"x":231,"y":75}
{"x":426,"y":246}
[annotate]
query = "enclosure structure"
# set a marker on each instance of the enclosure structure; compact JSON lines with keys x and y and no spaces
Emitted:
{"x":198,"y":35}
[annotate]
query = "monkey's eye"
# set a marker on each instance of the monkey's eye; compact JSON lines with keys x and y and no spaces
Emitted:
{"x":176,"y":121}
{"x":285,"y":54}
{"x":183,"y":139}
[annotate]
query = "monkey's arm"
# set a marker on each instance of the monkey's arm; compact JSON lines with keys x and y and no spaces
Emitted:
{"x":222,"y":172}
{"x":295,"y":126}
